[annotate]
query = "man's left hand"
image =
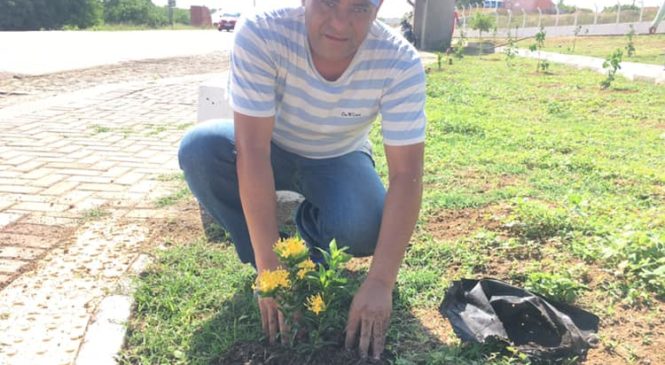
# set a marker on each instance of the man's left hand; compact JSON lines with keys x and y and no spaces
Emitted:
{"x":370,"y":316}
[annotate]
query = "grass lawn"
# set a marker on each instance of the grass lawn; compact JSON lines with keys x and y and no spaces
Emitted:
{"x":542,"y":180}
{"x":648,"y":48}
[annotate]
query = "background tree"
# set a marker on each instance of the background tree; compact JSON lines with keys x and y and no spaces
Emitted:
{"x":134,"y":12}
{"x":49,"y":14}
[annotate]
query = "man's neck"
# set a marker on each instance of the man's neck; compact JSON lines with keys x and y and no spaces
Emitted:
{"x":331,"y":70}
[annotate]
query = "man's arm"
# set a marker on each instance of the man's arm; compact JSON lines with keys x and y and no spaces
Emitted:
{"x":372,"y":304}
{"x":400,"y":213}
{"x":257,"y":185}
{"x":257,"y":195}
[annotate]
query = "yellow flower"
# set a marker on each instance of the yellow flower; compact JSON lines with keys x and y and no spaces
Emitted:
{"x":316,"y":304}
{"x":270,"y":280}
{"x":305,"y":267}
{"x":291,"y":249}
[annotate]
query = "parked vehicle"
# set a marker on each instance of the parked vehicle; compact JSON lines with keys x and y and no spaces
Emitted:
{"x":228,"y":21}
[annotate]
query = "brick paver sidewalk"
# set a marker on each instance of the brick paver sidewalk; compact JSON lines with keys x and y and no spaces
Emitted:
{"x":72,"y":167}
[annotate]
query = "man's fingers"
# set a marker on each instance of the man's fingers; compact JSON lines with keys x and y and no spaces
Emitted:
{"x":378,"y":338}
{"x":351,"y":330}
{"x":283,"y":328}
{"x":264,"y":317}
{"x":365,"y":335}
{"x":272,"y":325}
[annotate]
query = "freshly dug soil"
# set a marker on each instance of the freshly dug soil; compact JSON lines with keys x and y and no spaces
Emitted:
{"x":253,"y":353}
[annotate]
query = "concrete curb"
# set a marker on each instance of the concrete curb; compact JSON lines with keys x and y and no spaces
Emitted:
{"x":105,"y":335}
{"x":631,"y":70}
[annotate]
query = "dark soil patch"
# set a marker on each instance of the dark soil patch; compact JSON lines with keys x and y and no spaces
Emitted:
{"x":631,"y":336}
{"x":452,"y":224}
{"x":252,"y":353}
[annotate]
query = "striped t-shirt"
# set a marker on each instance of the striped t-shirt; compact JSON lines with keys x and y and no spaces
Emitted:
{"x":272,"y":74}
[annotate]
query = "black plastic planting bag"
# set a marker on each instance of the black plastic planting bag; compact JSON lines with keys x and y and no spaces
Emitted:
{"x":482,"y":309}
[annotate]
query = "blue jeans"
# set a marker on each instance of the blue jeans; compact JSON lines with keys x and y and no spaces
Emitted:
{"x":344,"y":196}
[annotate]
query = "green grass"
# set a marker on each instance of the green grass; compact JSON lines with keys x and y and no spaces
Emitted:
{"x":193,"y":304}
{"x":180,"y":194}
{"x":648,"y":48}
{"x":575,"y":175}
{"x":94,"y":214}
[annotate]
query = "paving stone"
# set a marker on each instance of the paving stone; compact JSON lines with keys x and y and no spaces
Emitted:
{"x":5,"y":173}
{"x":19,"y":159}
{"x":91,"y":179}
{"x":40,"y":207}
{"x":48,"y":180}
{"x":100,"y":187}
{"x":49,"y":220}
{"x":24,"y":240}
{"x":129,"y":178}
{"x":17,"y":198}
{"x":60,"y":188}
{"x":29,"y":166}
{"x":69,"y":165}
{"x":4,"y":204}
{"x":10,"y":266}
{"x":21,"y":189}
{"x":9,"y":218}
{"x":21,"y":253}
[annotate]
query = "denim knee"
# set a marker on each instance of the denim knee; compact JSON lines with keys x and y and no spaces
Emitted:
{"x":357,"y":229}
{"x":204,"y":145}
{"x":359,"y":232}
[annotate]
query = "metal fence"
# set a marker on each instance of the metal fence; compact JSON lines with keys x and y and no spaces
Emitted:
{"x":506,"y":20}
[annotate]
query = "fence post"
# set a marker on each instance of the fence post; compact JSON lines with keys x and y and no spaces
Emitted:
{"x":575,"y":25}
{"x":510,"y":18}
{"x":496,"y":18}
{"x":467,"y":15}
{"x":540,"y":17}
{"x":595,"y":14}
{"x":523,"y":18}
{"x":618,"y":11}
{"x":641,"y":10}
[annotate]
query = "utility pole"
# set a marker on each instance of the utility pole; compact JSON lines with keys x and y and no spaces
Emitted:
{"x":171,"y":6}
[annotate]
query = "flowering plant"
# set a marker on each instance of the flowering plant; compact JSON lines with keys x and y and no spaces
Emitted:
{"x":311,"y":296}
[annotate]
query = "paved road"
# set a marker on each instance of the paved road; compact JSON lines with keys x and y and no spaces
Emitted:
{"x":36,"y":53}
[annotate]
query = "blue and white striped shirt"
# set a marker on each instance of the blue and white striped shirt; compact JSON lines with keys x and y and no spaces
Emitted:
{"x":272,"y":74}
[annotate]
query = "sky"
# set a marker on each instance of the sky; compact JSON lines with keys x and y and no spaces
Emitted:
{"x":390,"y":8}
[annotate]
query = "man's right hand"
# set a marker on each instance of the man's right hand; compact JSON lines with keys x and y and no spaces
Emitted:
{"x":272,"y":320}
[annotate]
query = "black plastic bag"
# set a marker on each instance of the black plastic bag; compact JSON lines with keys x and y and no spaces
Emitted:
{"x":485,"y":309}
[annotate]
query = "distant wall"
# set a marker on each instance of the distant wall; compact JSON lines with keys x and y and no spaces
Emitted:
{"x":200,"y":16}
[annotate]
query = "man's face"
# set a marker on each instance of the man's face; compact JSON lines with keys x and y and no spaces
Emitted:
{"x":336,"y":28}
